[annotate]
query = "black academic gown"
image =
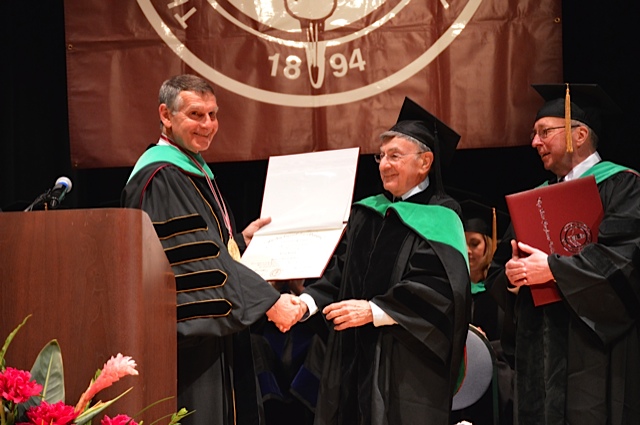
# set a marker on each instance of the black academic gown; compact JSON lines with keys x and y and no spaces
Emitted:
{"x":404,"y":373}
{"x":486,"y":315}
{"x":218,"y":297}
{"x":578,"y":360}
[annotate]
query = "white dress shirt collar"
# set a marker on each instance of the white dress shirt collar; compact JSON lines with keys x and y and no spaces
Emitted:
{"x":580,"y":169}
{"x":422,"y":186}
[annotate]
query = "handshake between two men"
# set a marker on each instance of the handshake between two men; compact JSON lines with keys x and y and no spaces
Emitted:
{"x":290,"y":309}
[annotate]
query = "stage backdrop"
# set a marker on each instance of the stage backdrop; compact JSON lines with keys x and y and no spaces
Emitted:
{"x":296,"y":76}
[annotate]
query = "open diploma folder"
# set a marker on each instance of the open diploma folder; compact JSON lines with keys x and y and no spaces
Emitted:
{"x":558,"y":219}
{"x":308,"y":197}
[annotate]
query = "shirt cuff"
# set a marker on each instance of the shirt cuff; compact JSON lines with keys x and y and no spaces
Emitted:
{"x":312,"y":307}
{"x":380,"y":318}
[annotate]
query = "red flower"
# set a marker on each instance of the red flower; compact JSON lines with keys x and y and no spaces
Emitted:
{"x":51,"y":414}
{"x":118,"y":420}
{"x":114,"y":369}
{"x":16,"y":385}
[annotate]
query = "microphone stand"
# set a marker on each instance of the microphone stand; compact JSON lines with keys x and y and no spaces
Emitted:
{"x":40,"y":200}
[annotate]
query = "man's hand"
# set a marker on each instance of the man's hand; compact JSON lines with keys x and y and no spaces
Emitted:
{"x":253,"y":227}
{"x":531,"y":270}
{"x":512,"y":267}
{"x":349,"y":314}
{"x":286,"y":312}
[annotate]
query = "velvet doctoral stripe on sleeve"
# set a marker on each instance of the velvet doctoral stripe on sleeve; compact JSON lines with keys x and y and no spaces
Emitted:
{"x":430,"y":299}
{"x":406,"y":372}
{"x":216,"y":295}
{"x":609,"y":269}
{"x":576,"y":359}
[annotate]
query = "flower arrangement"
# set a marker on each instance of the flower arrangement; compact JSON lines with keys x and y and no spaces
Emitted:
{"x":37,"y":397}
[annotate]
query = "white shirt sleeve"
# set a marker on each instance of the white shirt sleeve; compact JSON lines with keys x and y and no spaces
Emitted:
{"x":380,"y":318}
{"x":311,"y":305}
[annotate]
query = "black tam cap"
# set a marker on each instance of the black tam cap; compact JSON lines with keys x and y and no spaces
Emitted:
{"x":417,"y":122}
{"x":588,"y":102}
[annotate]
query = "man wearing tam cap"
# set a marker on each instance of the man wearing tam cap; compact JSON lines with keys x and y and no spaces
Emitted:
{"x":577,"y":360}
{"x":397,"y":289}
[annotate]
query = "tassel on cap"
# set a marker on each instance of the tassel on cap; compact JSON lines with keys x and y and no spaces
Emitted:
{"x":494,"y":230}
{"x":481,"y":218}
{"x":567,"y":120}
{"x":588,"y":104}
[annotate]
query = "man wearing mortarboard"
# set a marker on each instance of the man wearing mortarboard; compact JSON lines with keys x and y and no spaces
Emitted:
{"x":397,"y":289}
{"x":577,"y":360}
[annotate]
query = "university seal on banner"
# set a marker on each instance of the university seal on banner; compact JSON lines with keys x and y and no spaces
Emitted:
{"x":308,"y":53}
{"x":574,"y":236}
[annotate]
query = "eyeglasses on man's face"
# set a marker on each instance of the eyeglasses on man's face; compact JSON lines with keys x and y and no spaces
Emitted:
{"x":394,"y":157}
{"x":544,"y":133}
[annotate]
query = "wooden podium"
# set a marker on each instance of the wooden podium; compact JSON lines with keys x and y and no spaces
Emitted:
{"x":98,"y":281}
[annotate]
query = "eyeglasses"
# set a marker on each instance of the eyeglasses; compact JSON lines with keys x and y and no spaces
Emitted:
{"x":544,"y":133}
{"x":394,"y":157}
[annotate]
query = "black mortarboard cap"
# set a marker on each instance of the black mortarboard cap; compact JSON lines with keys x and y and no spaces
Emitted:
{"x":477,"y":217}
{"x":416,"y":122}
{"x":588,"y":103}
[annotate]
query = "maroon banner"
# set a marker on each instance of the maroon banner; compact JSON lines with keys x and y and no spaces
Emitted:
{"x":295,"y":76}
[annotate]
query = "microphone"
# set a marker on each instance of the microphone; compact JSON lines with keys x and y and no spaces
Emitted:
{"x":56,"y":194}
{"x":52,"y":197}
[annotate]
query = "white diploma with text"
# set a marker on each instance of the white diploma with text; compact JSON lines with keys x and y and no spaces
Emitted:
{"x":308,"y":197}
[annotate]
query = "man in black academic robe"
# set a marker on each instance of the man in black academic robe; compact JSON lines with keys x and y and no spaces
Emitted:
{"x":217,"y":297}
{"x":577,"y":359}
{"x":397,"y":291}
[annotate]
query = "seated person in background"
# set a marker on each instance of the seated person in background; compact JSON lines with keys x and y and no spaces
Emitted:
{"x":481,"y":233}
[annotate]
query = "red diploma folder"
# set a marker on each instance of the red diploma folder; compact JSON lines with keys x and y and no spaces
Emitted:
{"x":558,"y":219}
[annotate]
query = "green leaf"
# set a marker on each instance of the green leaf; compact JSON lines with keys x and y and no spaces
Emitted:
{"x":92,"y":411}
{"x":169,"y":415}
{"x":48,"y":371}
{"x":10,"y":338}
{"x":162,"y":400}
